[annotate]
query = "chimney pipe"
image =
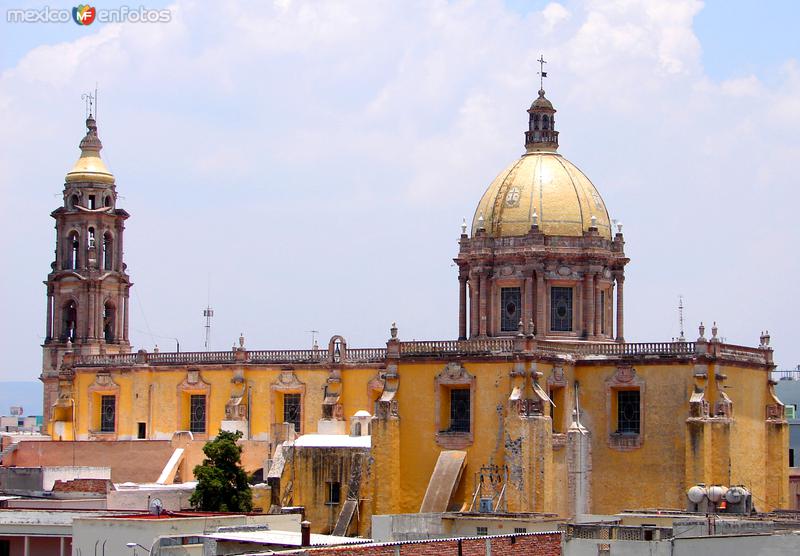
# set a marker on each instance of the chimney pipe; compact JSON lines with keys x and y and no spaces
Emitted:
{"x":305,"y":533}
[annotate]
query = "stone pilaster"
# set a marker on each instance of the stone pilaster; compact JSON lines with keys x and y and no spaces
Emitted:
{"x":462,"y":306}
{"x":620,"y":278}
{"x":541,"y":302}
{"x":483,"y":304}
{"x":474,"y":304}
{"x":588,"y":292}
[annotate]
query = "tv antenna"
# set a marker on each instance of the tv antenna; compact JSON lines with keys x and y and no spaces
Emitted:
{"x":314,"y":344}
{"x":682,"y":337}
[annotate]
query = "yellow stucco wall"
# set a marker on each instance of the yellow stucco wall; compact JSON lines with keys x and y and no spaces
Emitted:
{"x":745,"y":450}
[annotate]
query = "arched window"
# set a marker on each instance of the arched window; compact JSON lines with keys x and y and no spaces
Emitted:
{"x":536,"y":121}
{"x":545,"y":122}
{"x":357,"y":429}
{"x":91,"y":238}
{"x":108,"y":251}
{"x":109,"y":316}
{"x":107,"y":201}
{"x":73,"y":248}
{"x":73,"y":202}
{"x":69,"y":322}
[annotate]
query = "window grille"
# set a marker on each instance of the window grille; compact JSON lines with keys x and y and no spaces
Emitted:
{"x":291,"y":410}
{"x":459,"y":410}
{"x":628,"y":411}
{"x":561,"y":309}
{"x":108,"y":413}
{"x":520,"y":530}
{"x":197,"y":414}
{"x":510,"y":309}
{"x":481,"y":531}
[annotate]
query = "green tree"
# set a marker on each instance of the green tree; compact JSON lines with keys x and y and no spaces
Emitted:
{"x":221,"y":479}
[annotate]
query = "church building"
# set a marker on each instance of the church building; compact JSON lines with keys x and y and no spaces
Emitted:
{"x":538,"y":405}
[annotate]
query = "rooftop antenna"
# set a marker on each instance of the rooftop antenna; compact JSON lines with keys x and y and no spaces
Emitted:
{"x":682,"y":337}
{"x":313,"y":333}
{"x":208,"y":312}
{"x":542,"y":73}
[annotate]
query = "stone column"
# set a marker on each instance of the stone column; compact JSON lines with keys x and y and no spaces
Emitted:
{"x":484,"y":303}
{"x":90,"y":314}
{"x":620,"y":307}
{"x":598,"y":309}
{"x":462,"y":306}
{"x":541,"y":300}
{"x":527,"y":303}
{"x":474,"y":302}
{"x":588,"y":292}
{"x":48,"y":334}
{"x":125,"y":315}
{"x":118,"y":249}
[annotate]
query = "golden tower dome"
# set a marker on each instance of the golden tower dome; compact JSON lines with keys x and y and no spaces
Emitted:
{"x":541,"y":187}
{"x":90,"y":167}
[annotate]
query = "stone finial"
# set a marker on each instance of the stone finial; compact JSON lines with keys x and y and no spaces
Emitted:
{"x":714,"y":331}
{"x":619,"y":227}
{"x":531,"y":328}
{"x":393,"y":331}
{"x":241,"y":340}
{"x":702,"y":330}
{"x":155,"y":349}
{"x":463,"y":226}
{"x":520,"y":329}
{"x":481,"y":222}
{"x":594,"y":221}
{"x":766,"y":339}
{"x":535,"y":219}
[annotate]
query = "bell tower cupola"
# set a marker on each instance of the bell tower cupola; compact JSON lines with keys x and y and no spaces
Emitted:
{"x":541,"y":134}
{"x":88,"y":286}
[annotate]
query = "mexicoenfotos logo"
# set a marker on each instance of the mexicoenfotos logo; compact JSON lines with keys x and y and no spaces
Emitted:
{"x":84,"y":14}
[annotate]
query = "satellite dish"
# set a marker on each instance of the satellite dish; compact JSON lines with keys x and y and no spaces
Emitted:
{"x":156,"y":506}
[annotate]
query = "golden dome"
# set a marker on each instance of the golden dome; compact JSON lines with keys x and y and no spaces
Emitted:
{"x":90,"y":167}
{"x":545,"y":185}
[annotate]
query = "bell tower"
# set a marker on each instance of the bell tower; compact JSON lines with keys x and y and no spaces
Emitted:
{"x":88,"y":286}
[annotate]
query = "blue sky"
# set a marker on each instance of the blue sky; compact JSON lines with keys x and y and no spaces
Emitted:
{"x":309,"y":164}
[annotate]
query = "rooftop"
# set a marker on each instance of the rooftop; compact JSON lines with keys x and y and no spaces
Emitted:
{"x":332,"y":441}
{"x":285,"y":538}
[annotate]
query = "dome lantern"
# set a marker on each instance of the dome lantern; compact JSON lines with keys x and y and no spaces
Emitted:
{"x":541,"y":134}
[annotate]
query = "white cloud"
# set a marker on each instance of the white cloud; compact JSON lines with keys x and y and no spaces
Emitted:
{"x":315,"y":159}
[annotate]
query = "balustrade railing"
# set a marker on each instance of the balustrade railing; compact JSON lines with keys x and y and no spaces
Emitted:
{"x":287,"y":356}
{"x":432,"y":348}
{"x":365,"y":355}
{"x":443,"y":347}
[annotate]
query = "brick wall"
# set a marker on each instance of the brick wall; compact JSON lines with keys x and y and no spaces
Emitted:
{"x":530,"y":544}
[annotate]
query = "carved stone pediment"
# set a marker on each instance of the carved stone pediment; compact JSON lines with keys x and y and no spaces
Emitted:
{"x":625,"y":375}
{"x":557,"y":377}
{"x":287,"y":380}
{"x":194,"y":382}
{"x":454,"y":373}
{"x":104,"y":380}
